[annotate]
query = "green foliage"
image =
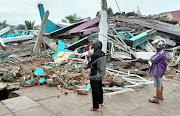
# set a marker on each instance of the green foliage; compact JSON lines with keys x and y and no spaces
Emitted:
{"x":71,"y":18}
{"x":37,"y":27}
{"x":109,"y":12}
{"x":21,"y":27}
{"x":29,"y":25}
{"x":4,"y":24}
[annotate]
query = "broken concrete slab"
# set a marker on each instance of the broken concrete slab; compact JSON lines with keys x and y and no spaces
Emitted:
{"x":4,"y":30}
{"x":145,"y":55}
{"x":18,"y":38}
{"x":123,"y":55}
{"x":20,"y":103}
{"x":3,"y":85}
{"x":149,"y":47}
{"x":153,"y":24}
{"x":23,"y":53}
{"x":51,"y":44}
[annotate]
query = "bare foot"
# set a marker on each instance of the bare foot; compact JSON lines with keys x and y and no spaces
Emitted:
{"x":92,"y":109}
{"x":102,"y":104}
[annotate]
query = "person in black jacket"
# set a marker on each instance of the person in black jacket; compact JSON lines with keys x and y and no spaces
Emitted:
{"x":97,"y":64}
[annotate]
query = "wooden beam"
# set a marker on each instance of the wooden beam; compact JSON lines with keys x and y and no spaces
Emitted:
{"x":40,"y":34}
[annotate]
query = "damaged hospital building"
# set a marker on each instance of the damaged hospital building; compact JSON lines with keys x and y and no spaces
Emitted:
{"x":43,"y":72}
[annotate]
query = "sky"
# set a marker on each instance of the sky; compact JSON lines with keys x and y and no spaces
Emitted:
{"x":16,"y":11}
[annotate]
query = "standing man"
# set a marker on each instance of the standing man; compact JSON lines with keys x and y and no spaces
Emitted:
{"x":97,"y":64}
{"x":158,"y":68}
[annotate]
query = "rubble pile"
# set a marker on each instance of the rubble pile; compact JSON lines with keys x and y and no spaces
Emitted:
{"x":60,"y":58}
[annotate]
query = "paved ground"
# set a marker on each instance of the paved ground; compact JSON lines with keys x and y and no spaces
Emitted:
{"x":43,"y":101}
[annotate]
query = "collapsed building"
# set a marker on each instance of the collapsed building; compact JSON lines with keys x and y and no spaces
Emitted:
{"x":57,"y":55}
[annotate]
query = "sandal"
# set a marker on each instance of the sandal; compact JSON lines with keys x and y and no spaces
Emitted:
{"x":153,"y":101}
{"x":159,"y":98}
{"x":92,"y":109}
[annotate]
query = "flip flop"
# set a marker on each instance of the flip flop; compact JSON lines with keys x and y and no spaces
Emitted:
{"x":153,"y":101}
{"x":159,"y":98}
{"x":92,"y":109}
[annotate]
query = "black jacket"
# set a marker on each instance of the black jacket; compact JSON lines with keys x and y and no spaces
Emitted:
{"x":97,"y":62}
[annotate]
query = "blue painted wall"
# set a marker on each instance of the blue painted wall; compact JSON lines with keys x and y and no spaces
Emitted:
{"x":50,"y":26}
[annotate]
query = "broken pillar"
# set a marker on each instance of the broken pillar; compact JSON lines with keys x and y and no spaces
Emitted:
{"x":40,"y":34}
{"x":103,"y":26}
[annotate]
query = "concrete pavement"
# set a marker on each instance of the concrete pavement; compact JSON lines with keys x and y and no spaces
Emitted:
{"x":49,"y":101}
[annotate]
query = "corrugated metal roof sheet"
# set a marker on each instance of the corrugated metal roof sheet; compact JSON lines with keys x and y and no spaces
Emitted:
{"x":153,"y":24}
{"x":175,"y":14}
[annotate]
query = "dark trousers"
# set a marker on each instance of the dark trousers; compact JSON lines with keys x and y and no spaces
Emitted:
{"x":97,"y":93}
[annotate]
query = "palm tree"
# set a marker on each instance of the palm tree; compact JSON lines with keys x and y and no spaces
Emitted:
{"x":71,"y":18}
{"x":29,"y":25}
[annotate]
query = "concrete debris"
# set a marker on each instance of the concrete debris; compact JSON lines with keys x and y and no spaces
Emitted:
{"x":3,"y":85}
{"x":61,"y":55}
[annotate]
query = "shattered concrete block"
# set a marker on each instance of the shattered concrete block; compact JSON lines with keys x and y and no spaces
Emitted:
{"x":117,"y":80}
{"x":42,"y":74}
{"x":22,"y":81}
{"x":49,"y":81}
{"x":82,"y":92}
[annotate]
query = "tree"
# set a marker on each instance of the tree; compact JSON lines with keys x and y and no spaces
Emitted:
{"x":109,"y":12}
{"x":13,"y":26}
{"x":71,"y":18}
{"x":37,"y":27}
{"x":4,"y":24}
{"x":21,"y":27}
{"x":29,"y":25}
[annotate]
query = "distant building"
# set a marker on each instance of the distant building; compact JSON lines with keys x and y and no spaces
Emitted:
{"x":171,"y":16}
